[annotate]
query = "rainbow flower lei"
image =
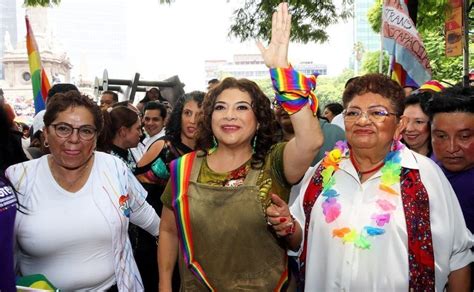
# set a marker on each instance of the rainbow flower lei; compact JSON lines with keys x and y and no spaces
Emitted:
{"x":332,"y":208}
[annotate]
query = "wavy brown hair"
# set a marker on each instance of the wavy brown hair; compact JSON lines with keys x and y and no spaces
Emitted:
{"x":261,"y":108}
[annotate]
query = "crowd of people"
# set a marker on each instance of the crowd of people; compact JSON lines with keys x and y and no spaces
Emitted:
{"x":231,"y":190}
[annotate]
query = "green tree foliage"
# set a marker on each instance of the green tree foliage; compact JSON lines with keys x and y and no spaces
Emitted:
{"x":266,"y":86}
{"x":43,"y":3}
{"x":309,"y":19}
{"x":370,"y":63}
{"x":430,"y":14}
{"x":329,"y":89}
{"x":430,"y":25}
{"x":46,"y":3}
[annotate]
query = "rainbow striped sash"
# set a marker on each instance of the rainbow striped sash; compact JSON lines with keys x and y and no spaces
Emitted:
{"x":180,"y":173}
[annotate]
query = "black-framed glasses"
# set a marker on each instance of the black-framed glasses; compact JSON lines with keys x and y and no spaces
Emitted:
{"x":65,"y":130}
{"x":375,"y":114}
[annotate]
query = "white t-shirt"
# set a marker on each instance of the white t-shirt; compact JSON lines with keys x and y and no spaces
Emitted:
{"x":332,"y":265}
{"x":79,"y":240}
{"x":150,"y":140}
{"x":63,"y":228}
{"x":338,"y":120}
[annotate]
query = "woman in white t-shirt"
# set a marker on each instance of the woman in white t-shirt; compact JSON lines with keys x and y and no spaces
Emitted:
{"x":79,"y":203}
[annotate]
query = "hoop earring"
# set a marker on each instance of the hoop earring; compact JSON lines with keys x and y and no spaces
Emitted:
{"x":45,"y":144}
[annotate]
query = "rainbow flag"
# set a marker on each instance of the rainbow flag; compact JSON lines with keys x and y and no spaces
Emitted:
{"x":39,"y":79}
{"x":410,"y":63}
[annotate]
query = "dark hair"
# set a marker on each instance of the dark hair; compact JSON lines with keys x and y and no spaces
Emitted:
{"x":213,"y":81}
{"x":349,"y":81}
{"x":147,"y":95}
{"x":64,"y":100}
{"x":375,"y":83}
{"x":261,"y":107}
{"x":452,"y":99}
{"x":335,"y":108}
{"x":124,"y":103}
{"x":11,"y":151}
{"x":113,"y":93}
{"x":155,"y":105}
{"x":420,"y":98}
{"x":61,"y":88}
{"x":173,"y":126}
{"x":120,"y":116}
{"x":23,"y":126}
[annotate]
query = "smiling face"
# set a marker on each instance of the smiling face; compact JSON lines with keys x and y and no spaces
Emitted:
{"x":106,"y":101}
{"x":233,"y":121}
{"x":453,"y":140}
{"x":153,"y":121}
{"x":189,"y":119}
{"x":417,"y":132}
{"x":71,"y":152}
{"x":365,"y":134}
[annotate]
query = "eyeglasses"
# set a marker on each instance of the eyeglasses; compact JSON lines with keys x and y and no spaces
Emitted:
{"x":65,"y":130}
{"x":375,"y":115}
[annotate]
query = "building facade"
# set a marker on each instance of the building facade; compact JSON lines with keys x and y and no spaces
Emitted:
{"x":17,"y":82}
{"x":251,"y":66}
{"x":8,"y":29}
{"x":365,"y":39}
{"x":363,"y":32}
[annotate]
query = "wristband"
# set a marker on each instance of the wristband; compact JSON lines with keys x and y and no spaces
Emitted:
{"x":292,"y":229}
{"x":294,"y":90}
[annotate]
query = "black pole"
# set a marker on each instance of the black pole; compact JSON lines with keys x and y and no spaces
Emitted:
{"x":413,"y":10}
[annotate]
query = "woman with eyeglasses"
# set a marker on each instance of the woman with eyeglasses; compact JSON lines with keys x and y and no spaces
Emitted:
{"x":417,"y":134}
{"x":78,"y":203}
{"x":374,"y":215}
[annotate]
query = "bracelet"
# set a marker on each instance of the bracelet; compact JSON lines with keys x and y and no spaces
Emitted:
{"x":292,"y":229}
{"x":294,"y":90}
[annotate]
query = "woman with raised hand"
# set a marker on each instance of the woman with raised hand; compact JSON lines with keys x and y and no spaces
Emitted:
{"x":374,"y":215}
{"x":215,"y":200}
{"x":79,"y":203}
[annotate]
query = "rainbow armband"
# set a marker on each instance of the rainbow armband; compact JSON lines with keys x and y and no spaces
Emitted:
{"x":294,"y":90}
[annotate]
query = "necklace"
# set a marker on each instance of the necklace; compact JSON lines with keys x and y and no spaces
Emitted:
{"x":359,"y":172}
{"x":67,"y":185}
{"x":385,"y":202}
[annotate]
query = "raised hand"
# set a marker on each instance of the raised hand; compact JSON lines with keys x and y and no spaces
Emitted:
{"x":279,"y":217}
{"x":276,"y":54}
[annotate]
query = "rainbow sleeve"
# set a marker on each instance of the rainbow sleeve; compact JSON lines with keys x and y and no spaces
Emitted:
{"x":294,"y":90}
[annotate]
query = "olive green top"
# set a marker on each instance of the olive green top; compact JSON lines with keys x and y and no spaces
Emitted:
{"x":271,"y":177}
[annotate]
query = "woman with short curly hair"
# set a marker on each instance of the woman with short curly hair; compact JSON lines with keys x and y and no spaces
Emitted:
{"x":215,"y":199}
